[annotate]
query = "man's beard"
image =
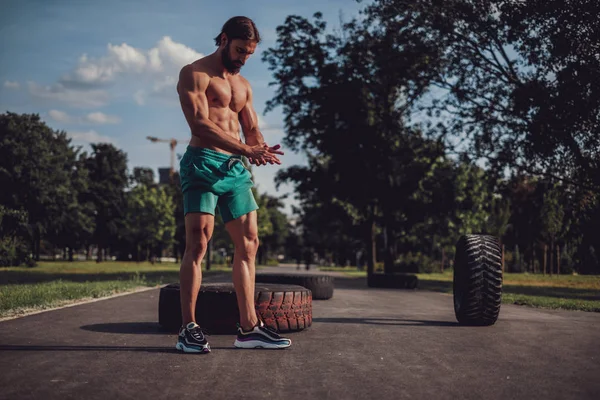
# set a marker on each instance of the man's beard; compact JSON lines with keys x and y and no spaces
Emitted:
{"x":230,"y":66}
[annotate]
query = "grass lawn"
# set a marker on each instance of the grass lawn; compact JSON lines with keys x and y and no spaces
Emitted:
{"x":52,"y":284}
{"x":569,"y":292}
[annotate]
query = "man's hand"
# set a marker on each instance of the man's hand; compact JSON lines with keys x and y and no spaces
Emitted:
{"x":261,"y":154}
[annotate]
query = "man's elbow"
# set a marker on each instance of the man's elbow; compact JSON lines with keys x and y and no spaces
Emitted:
{"x":200,"y":128}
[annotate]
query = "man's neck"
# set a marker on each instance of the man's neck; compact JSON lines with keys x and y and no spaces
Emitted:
{"x":217,"y":62}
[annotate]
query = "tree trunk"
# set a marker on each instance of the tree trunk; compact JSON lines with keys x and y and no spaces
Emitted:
{"x":388,"y":261}
{"x":70,"y":254}
{"x":88,"y":253}
{"x":443,"y":260}
{"x":551,"y":256}
{"x":38,"y":244}
{"x":64,"y":255}
{"x":371,"y":248}
{"x":557,"y":260}
{"x":544,"y":258}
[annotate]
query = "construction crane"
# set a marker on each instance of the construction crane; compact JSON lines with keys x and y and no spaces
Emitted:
{"x":172,"y":144}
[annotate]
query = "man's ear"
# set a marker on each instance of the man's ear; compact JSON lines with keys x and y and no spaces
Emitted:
{"x":223,"y":39}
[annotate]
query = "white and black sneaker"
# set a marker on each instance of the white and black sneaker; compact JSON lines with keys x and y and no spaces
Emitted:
{"x":192,"y":340}
{"x":260,"y":337}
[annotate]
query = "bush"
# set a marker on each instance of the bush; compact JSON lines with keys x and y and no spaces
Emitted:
{"x":418,"y":263}
{"x":14,"y":244}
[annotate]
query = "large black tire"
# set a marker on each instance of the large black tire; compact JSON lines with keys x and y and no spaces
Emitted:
{"x":321,"y":286}
{"x":477,"y":280}
{"x":393,"y":281}
{"x":284,"y":308}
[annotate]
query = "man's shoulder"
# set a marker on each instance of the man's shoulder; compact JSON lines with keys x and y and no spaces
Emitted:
{"x":198,"y":67}
{"x":195,"y":75}
{"x":244,"y":81}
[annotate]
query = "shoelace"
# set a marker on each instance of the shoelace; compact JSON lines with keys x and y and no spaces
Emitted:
{"x":197,"y":333}
{"x":270,"y":330}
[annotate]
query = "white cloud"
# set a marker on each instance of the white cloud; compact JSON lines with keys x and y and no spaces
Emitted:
{"x":76,"y":98}
{"x":11,"y":85}
{"x":101,"y":118}
{"x":140,"y":97}
{"x":141,"y":74}
{"x":165,"y":89}
{"x":60,"y":116}
{"x":167,"y":57}
{"x":97,"y":118}
{"x":90,"y":136}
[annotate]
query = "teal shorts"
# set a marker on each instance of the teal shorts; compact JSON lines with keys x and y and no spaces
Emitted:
{"x":211,"y":180}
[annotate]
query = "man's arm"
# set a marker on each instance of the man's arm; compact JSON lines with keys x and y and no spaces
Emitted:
{"x":249,"y":122}
{"x":194,"y":103}
{"x":253,"y":136}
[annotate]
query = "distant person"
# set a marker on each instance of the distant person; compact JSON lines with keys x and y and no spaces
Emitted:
{"x":308,"y":257}
{"x":216,"y":100}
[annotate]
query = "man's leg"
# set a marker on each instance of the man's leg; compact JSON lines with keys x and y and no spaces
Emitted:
{"x":252,"y":332}
{"x":198,"y":231}
{"x":244,"y":234}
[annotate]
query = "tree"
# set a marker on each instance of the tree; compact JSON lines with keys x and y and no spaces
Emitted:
{"x":76,"y":227}
{"x":149,"y":220}
{"x":174,"y":188}
{"x":346,"y":101}
{"x":142,"y":176}
{"x":552,"y":215}
{"x":520,"y":81}
{"x":107,"y":167}
{"x":37,"y":164}
{"x":14,"y":248}
{"x":272,"y":239}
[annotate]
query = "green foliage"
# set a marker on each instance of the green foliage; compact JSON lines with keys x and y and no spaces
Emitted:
{"x":520,"y":80}
{"x":38,"y":165}
{"x":107,"y":168}
{"x":14,"y":249}
{"x":552,"y":214}
{"x":494,"y":87}
{"x":149,"y":219}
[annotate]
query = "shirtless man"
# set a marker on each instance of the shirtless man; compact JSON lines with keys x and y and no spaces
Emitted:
{"x":216,"y":100}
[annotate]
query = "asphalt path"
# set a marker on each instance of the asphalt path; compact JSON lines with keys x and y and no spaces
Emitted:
{"x":363,"y":344}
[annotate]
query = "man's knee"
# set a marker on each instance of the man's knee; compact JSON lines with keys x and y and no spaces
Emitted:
{"x":197,"y":247}
{"x":250,"y":245}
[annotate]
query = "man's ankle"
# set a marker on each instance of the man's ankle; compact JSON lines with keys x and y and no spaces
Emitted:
{"x":248,"y":327}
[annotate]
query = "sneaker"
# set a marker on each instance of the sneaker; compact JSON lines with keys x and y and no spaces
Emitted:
{"x":192,"y":340}
{"x":260,"y":337}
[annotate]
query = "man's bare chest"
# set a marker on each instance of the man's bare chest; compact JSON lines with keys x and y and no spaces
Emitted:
{"x":223,"y":93}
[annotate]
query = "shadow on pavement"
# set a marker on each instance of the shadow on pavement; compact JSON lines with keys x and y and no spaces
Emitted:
{"x":446,"y":287}
{"x":139,"y":328}
{"x":101,"y":348}
{"x":386,"y":321}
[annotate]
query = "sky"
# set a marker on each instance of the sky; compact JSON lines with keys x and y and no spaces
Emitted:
{"x":105,"y":71}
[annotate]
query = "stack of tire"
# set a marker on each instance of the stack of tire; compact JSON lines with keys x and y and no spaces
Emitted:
{"x":321,"y":286}
{"x":284,"y":308}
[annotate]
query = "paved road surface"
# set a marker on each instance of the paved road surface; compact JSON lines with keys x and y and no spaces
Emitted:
{"x":364,"y":344}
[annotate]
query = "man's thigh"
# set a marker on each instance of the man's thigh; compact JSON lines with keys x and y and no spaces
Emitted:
{"x":234,"y":206}
{"x":198,"y":225}
{"x":243,"y":228}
